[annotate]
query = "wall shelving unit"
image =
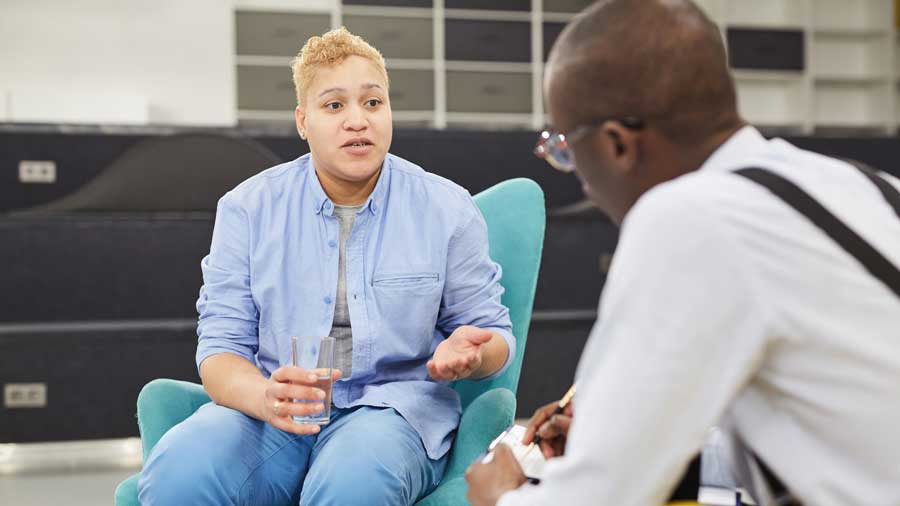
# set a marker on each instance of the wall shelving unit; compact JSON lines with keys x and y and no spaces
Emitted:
{"x":848,"y":81}
{"x":801,"y":66}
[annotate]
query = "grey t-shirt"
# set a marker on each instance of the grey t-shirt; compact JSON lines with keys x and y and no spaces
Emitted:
{"x":341,"y":329}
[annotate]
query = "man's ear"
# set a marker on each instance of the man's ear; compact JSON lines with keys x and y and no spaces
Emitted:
{"x":620,"y":145}
{"x":300,"y":120}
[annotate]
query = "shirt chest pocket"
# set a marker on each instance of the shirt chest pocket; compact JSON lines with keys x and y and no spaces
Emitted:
{"x":419,"y":282}
{"x":408,"y":306}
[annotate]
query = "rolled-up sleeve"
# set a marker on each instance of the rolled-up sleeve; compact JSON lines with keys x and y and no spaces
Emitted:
{"x":229,"y":317}
{"x":472,"y":289}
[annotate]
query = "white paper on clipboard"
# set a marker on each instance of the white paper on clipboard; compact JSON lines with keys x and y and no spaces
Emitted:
{"x":532,"y":461}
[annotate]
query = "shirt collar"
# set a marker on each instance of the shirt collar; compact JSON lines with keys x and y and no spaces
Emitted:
{"x":323,"y":204}
{"x":744,"y":144}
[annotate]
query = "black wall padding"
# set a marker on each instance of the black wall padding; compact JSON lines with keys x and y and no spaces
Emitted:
{"x":573,"y":269}
{"x":551,"y":356}
{"x":882,"y":153}
{"x":79,"y":157}
{"x":92,"y":377}
{"x":93,"y":267}
{"x":184,"y":172}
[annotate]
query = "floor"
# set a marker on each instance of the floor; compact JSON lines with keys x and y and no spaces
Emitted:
{"x":72,"y":488}
{"x":74,"y":473}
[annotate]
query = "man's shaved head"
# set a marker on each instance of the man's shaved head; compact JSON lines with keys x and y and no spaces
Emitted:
{"x":662,"y":61}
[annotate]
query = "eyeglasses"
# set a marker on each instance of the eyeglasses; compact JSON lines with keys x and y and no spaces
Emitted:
{"x":555,"y":147}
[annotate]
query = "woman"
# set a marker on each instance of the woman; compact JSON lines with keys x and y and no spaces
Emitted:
{"x":352,"y":242}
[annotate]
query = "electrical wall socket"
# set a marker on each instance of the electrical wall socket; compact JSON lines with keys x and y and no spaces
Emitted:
{"x":25,"y":395}
{"x":37,"y":171}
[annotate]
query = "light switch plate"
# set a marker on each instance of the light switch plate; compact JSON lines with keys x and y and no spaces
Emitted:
{"x":25,"y":395}
{"x":37,"y":171}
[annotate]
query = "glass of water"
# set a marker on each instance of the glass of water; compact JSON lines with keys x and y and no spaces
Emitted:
{"x":316,"y":355}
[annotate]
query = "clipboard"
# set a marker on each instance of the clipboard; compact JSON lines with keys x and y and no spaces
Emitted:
{"x":530,"y":459}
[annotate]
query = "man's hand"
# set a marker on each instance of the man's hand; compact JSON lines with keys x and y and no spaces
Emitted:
{"x":286,"y":385}
{"x":487,"y":482}
{"x":552,"y":428}
{"x":459,"y":355}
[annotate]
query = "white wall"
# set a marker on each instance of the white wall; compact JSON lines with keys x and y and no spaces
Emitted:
{"x":166,"y":62}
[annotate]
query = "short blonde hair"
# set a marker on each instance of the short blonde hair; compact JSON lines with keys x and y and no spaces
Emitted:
{"x":329,"y":49}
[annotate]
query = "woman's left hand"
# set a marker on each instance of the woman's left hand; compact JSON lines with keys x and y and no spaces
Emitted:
{"x":459,"y":355}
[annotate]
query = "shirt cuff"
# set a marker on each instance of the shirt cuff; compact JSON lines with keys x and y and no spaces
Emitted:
{"x":206,"y":349}
{"x":510,"y":345}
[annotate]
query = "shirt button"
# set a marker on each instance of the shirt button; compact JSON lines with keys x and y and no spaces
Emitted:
{"x":327,"y":300}
{"x":328,"y":206}
{"x":332,"y":243}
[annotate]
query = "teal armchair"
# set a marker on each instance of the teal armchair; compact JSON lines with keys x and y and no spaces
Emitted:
{"x":514,"y":212}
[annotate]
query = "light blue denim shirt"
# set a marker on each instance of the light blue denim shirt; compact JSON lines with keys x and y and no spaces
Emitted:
{"x":417,"y":268}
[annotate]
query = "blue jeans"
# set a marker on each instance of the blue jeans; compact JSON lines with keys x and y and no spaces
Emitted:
{"x":219,"y":456}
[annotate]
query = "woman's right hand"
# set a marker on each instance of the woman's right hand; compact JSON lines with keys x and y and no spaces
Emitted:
{"x":286,"y":385}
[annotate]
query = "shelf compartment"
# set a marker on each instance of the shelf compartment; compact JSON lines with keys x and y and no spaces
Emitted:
{"x":712,"y":8}
{"x":411,"y":90}
{"x":396,"y":12}
{"x":757,"y":49}
{"x":276,"y":33}
{"x":488,"y":121}
{"x":488,"y":92}
{"x":851,"y":57}
{"x":494,"y":5}
{"x":391,"y":3}
{"x":772,"y":102}
{"x":852,"y":105}
{"x":767,"y":75}
{"x":395,"y":37}
{"x":470,"y":40}
{"x":265,"y":88}
{"x":567,"y":6}
{"x":852,"y":15}
{"x":551,"y":33}
{"x":766,"y":13}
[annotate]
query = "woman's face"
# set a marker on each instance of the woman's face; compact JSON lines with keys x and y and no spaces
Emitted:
{"x":347,"y":120}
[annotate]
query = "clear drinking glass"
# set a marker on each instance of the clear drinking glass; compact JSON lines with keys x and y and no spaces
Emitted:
{"x":315,"y":354}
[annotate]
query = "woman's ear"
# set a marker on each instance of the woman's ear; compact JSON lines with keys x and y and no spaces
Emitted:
{"x":300,"y":120}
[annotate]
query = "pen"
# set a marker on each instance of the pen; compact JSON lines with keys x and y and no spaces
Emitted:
{"x":566,"y":399}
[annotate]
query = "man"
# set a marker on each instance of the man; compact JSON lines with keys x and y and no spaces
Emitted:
{"x":723,"y":303}
{"x":355,"y":243}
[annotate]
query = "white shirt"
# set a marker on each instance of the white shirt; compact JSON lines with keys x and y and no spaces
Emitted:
{"x":723,"y":300}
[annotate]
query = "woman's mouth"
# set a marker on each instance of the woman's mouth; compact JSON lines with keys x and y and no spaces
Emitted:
{"x":358,"y":147}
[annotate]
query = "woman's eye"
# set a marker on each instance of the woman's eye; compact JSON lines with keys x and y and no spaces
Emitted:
{"x":373,"y":102}
{"x":333,"y":105}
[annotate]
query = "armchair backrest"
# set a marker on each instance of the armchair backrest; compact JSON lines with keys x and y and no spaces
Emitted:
{"x":514,"y":212}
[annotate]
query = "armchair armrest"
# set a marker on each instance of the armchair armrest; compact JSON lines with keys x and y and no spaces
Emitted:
{"x":484,"y":419}
{"x":163,"y":404}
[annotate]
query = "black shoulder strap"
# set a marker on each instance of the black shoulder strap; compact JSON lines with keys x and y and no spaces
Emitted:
{"x":869,"y":257}
{"x":887,"y":189}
